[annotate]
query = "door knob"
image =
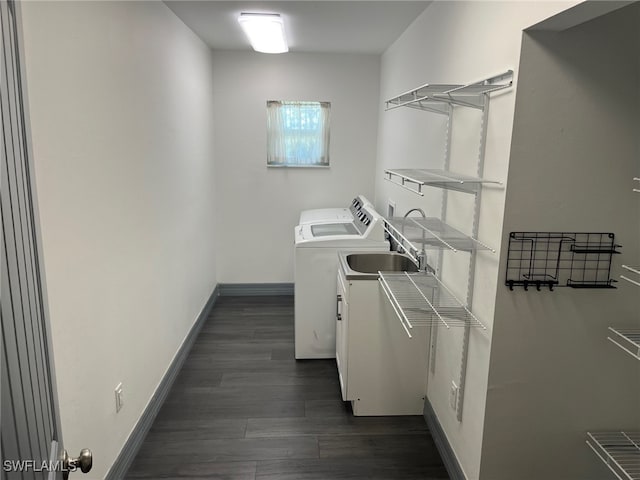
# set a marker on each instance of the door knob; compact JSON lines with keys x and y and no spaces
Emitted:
{"x":84,"y":462}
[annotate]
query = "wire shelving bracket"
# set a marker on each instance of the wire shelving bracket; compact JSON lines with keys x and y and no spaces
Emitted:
{"x":560,"y":259}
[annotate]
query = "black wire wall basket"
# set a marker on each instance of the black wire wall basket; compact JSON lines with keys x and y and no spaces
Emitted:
{"x":560,"y":259}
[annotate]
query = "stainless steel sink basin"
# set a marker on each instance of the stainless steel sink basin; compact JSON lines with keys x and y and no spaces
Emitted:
{"x":367,"y":265}
{"x":380,"y":262}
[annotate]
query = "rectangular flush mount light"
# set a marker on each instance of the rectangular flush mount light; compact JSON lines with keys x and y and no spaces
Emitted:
{"x":265,"y":32}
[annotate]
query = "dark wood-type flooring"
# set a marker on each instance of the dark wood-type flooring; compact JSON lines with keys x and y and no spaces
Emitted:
{"x":243,"y":408}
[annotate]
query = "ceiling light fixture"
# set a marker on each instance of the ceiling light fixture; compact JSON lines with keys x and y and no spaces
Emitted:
{"x":265,"y":32}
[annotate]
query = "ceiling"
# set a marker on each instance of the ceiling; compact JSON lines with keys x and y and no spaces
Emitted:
{"x":311,"y":25}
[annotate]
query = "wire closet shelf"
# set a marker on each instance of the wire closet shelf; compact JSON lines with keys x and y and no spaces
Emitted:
{"x":417,"y":302}
{"x":421,"y":299}
{"x":620,"y":451}
{"x":627,"y":339}
{"x":432,"y":233}
{"x":636,"y":271}
{"x":414,"y":179}
{"x":438,"y":97}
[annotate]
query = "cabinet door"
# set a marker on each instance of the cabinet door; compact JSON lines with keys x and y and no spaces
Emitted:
{"x":342,"y":326}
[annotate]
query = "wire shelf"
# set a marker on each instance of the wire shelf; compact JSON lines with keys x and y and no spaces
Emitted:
{"x":627,"y":339}
{"x":549,"y":259}
{"x":620,"y":451}
{"x":437,"y":97}
{"x":421,"y":299}
{"x":414,"y":179}
{"x":632,"y":269}
{"x":433,"y":233}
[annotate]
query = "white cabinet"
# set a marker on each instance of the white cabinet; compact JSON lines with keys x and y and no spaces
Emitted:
{"x":382,"y":371}
{"x":342,"y":322}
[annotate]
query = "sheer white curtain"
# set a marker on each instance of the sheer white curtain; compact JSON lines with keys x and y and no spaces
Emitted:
{"x":298,"y":133}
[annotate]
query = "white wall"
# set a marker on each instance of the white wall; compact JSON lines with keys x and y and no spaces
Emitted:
{"x":120,"y":98}
{"x":576,"y":146}
{"x":259,"y":206}
{"x":457,"y":42}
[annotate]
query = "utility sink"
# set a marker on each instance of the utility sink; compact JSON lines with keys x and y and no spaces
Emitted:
{"x":367,"y":265}
{"x":383,"y":262}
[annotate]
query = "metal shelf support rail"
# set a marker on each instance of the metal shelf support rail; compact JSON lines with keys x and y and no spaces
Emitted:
{"x":627,"y":340}
{"x":443,"y":214}
{"x":472,"y":261}
{"x":620,"y":451}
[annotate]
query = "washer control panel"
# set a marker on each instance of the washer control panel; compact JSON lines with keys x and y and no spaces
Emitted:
{"x":363,"y":217}
{"x":356,"y":207}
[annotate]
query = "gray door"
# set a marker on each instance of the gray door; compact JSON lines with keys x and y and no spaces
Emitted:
{"x":30,"y":427}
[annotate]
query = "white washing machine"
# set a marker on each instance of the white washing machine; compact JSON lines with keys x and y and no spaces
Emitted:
{"x":316,"y":267}
{"x":330,"y":215}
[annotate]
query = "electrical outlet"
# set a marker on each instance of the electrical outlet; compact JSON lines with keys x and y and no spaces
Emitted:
{"x":119,"y":397}
{"x":453,"y":395}
{"x":391,"y":209}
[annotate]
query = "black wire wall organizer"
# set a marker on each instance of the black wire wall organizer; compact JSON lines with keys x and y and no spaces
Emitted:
{"x":560,"y":259}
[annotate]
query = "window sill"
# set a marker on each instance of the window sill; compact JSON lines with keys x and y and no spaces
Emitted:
{"x":299,"y":166}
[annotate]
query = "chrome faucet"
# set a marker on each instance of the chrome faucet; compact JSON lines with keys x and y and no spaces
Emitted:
{"x":416,"y":210}
{"x":422,"y":255}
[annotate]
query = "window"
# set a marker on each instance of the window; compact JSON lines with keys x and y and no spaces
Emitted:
{"x":298,"y":134}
